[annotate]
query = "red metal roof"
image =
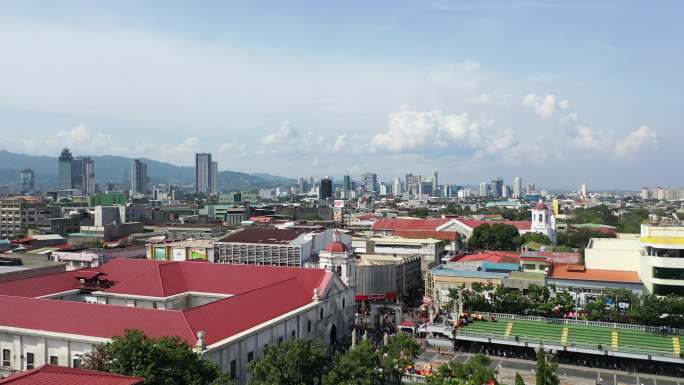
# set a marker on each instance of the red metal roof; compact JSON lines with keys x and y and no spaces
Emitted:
{"x":422,"y":234}
{"x":578,"y":272}
{"x":264,"y":235}
{"x":396,"y":224}
{"x":474,"y":223}
{"x":492,"y":256}
{"x":60,"y":375}
{"x":259,"y":293}
{"x":336,"y":247}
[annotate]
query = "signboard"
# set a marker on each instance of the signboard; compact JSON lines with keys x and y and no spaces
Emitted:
{"x":339,"y":203}
{"x":198,"y":253}
{"x":376,"y":297}
{"x":178,"y":254}
{"x":160,"y":253}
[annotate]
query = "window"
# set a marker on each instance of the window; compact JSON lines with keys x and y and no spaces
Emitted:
{"x":233,"y":369}
{"x":54,"y":360}
{"x":154,"y":305}
{"x":6,"y":357}
{"x":668,"y":273}
{"x":250,"y":356}
{"x":321,"y":313}
{"x":339,"y":270}
{"x":308,"y":326}
{"x":29,"y":361}
{"x":76,"y":363}
{"x":343,"y":303}
{"x":280,"y":340}
{"x":294,"y":334}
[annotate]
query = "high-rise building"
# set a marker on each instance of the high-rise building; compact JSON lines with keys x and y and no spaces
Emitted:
{"x":413,"y":184}
{"x":28,"y":181}
{"x":202,"y":173}
{"x":21,"y":213}
{"x":139,"y":179}
{"x":64,"y":169}
{"x":370,"y":181}
{"x":584,"y":191}
{"x":484,"y":189}
{"x":506,"y":192}
{"x":325,"y":189}
{"x":87,"y":176}
{"x":426,"y":189}
{"x":347,"y":182}
{"x":530,"y":188}
{"x":435,"y":182}
{"x":77,"y":174}
{"x":517,"y":187}
{"x":383,"y":189}
{"x":303,"y":185}
{"x":213,"y":178}
{"x":397,"y":188}
{"x":497,"y":187}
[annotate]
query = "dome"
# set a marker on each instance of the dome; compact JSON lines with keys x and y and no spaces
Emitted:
{"x":336,"y":247}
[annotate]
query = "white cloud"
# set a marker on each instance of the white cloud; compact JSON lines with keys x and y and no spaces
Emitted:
{"x":589,"y":139}
{"x":569,"y":119}
{"x":637,"y":140}
{"x":289,"y":140}
{"x":481,"y":99}
{"x":564,"y":104}
{"x":464,"y":76}
{"x":543,"y":106}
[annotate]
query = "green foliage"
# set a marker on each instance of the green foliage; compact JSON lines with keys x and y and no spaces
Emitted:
{"x":294,"y":362}
{"x":475,"y":371}
{"x":631,"y":221}
{"x":419,"y":212}
{"x":650,"y":310}
{"x":359,"y":366}
{"x":160,"y":361}
{"x":397,"y":355}
{"x":518,"y":379}
{"x":579,"y":238}
{"x":497,"y":236}
{"x":546,"y":371}
{"x":534,"y":237}
{"x":598,"y":214}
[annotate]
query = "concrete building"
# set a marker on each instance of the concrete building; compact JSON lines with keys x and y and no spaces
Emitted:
{"x":496,"y":188}
{"x":325,"y":190}
{"x":23,"y":265}
{"x":27,"y":181}
{"x":267,"y":246}
{"x":228,"y":313}
{"x":213,"y":178}
{"x":64,"y":163}
{"x":84,"y":259}
{"x":517,"y":187}
{"x":20,"y":213}
{"x":369,"y":181}
{"x":203,"y":173}
{"x":185,"y":250}
{"x":387,"y":277}
{"x":88,"y":176}
{"x":397,"y":187}
{"x":139,"y":179}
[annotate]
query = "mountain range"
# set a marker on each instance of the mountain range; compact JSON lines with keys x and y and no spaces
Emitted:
{"x":111,"y":168}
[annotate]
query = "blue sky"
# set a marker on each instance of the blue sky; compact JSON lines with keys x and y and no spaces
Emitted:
{"x":560,"y":93}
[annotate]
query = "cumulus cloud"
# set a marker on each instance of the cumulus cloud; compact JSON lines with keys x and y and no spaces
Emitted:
{"x":569,"y":119}
{"x":410,"y":130}
{"x":543,"y":106}
{"x":289,"y":140}
{"x":643,"y":137}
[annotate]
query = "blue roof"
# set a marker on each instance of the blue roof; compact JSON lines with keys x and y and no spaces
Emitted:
{"x":500,"y":266}
{"x":439,"y":270}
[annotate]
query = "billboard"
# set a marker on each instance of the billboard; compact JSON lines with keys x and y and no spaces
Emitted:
{"x":339,"y":203}
{"x":198,"y":253}
{"x":178,"y":254}
{"x":160,"y":253}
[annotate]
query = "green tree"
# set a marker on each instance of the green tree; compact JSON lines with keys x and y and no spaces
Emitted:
{"x":546,"y":371}
{"x":397,"y":355}
{"x":534,"y":237}
{"x":359,"y":366}
{"x":161,"y":361}
{"x":476,"y":371}
{"x":518,"y":379}
{"x":497,"y":236}
{"x":631,"y":221}
{"x":294,"y":362}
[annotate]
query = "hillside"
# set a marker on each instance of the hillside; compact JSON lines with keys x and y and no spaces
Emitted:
{"x":111,"y":168}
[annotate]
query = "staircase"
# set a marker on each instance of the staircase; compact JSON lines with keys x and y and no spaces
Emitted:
{"x":676,"y":348}
{"x":564,"y":337}
{"x":615,"y":340}
{"x":509,"y":329}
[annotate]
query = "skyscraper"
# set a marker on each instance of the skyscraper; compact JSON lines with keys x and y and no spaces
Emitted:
{"x":325,"y":189}
{"x":28,"y":181}
{"x":397,"y":187}
{"x":87,"y":176}
{"x":77,"y":174}
{"x":347,"y":182}
{"x":497,"y":187}
{"x":584,"y":192}
{"x":202,"y":173}
{"x":139,"y":178}
{"x":413,"y":184}
{"x":435,"y":182}
{"x":370,"y":181}
{"x":213,"y":178}
{"x":484,"y":189}
{"x":64,"y":169}
{"x":517,"y":187}
{"x":530,"y":188}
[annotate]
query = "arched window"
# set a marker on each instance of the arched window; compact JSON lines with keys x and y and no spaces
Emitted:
{"x":339,"y":270}
{"x":540,"y":217}
{"x":321,"y":313}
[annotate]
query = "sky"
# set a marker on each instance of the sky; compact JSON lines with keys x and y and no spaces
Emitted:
{"x":557,"y":92}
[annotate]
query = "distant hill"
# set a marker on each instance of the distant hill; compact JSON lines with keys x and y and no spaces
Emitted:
{"x":111,"y":168}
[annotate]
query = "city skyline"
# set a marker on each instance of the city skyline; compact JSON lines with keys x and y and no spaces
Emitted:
{"x":503,"y":93}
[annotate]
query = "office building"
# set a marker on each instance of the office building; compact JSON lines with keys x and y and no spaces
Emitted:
{"x":435,"y":183}
{"x":484,"y":189}
{"x":325,"y":189}
{"x":87,"y":176}
{"x":397,"y":187}
{"x":213,"y":178}
{"x":28,"y":181}
{"x":583,"y":191}
{"x":203,"y":173}
{"x":530,"y":189}
{"x":65,"y":169}
{"x":18,"y":214}
{"x":370,"y":182}
{"x":347,"y":186}
{"x":139,"y":179}
{"x":413,"y":184}
{"x":497,"y":188}
{"x":517,"y":187}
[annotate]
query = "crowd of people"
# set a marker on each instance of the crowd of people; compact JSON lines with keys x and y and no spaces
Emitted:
{"x":519,"y":352}
{"x":620,"y":363}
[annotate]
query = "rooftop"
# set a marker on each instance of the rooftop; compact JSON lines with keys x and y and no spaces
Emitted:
{"x":441,"y":270}
{"x":580,"y":273}
{"x":431,"y":224}
{"x":490,"y":256}
{"x":60,"y":375}
{"x":474,"y":223}
{"x":265,"y":235}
